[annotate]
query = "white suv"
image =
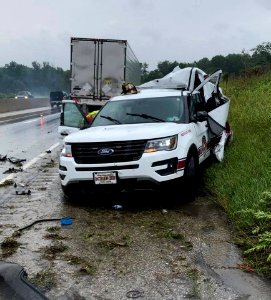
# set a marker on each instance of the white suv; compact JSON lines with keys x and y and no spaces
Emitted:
{"x":153,"y":138}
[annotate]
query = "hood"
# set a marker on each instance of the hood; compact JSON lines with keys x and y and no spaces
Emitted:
{"x":126,"y":132}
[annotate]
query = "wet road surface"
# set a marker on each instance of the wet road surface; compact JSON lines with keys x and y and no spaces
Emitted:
{"x":27,"y":139}
{"x":149,"y":249}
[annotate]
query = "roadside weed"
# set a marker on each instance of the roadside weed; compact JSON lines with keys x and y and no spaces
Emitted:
{"x":241,"y":183}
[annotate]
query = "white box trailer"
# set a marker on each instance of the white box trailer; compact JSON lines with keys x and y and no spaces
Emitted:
{"x":100,"y":66}
{"x":98,"y":69}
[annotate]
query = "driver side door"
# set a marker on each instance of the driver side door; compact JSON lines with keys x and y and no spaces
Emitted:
{"x":72,"y":118}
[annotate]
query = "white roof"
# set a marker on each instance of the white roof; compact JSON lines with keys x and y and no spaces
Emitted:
{"x":150,"y":93}
{"x":178,"y":78}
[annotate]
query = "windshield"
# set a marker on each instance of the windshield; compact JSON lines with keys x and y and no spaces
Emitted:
{"x":146,"y":110}
{"x":22,"y":94}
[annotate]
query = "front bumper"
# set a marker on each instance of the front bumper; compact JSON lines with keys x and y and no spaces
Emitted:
{"x":154,"y":168}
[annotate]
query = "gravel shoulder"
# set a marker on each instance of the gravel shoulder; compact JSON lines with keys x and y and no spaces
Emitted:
{"x":149,"y":249}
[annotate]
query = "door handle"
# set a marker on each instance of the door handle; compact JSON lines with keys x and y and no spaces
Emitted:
{"x":64,"y":133}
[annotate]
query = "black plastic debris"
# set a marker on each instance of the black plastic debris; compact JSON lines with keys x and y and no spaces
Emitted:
{"x":135,"y":294}
{"x":48,"y":151}
{"x":13,"y":170}
{"x":69,"y":219}
{"x":23,"y":192}
{"x":3,"y":157}
{"x":16,"y":161}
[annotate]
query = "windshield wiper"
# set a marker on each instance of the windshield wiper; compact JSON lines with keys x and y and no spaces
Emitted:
{"x":144,"y":116}
{"x":111,"y":119}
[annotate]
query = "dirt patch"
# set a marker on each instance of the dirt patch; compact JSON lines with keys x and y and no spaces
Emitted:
{"x":9,"y":246}
{"x":7,"y":182}
{"x":50,"y":252}
{"x":45,"y":279}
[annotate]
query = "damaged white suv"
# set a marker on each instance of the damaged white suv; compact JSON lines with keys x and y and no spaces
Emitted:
{"x":155,"y":137}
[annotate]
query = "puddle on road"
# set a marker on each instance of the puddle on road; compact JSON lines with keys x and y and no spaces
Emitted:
{"x":160,"y":251}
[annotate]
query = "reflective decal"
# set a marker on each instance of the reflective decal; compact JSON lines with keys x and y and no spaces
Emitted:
{"x":185,"y":132}
{"x":203,"y":149}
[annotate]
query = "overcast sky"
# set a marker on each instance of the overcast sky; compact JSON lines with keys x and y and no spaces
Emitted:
{"x":157,"y":30}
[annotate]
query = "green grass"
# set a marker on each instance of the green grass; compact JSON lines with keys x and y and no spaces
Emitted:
{"x":6,"y":96}
{"x":241,"y":181}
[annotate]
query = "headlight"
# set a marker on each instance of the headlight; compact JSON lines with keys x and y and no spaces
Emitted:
{"x":67,"y":151}
{"x":166,"y":144}
{"x":16,"y":97}
{"x":25,"y":97}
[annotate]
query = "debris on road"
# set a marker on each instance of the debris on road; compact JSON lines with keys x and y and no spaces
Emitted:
{"x":16,"y":161}
{"x":117,"y":207}
{"x":6,"y":182}
{"x":23,"y":192}
{"x":41,"y":221}
{"x":66,"y":221}
{"x":20,"y":189}
{"x":13,"y":170}
{"x":134,"y":294}
{"x":48,"y":151}
{"x":19,"y":184}
{"x":3,"y":157}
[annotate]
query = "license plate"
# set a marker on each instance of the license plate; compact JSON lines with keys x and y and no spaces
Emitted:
{"x":105,"y":177}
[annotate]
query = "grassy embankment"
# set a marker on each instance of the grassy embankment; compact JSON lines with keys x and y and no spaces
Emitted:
{"x":242,"y":182}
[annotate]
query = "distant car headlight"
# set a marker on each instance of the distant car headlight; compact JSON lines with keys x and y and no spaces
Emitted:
{"x":16,"y":97}
{"x":25,"y":97}
{"x":67,"y":151}
{"x":166,"y":144}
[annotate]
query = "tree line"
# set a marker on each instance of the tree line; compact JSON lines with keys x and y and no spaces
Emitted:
{"x":40,"y":79}
{"x":249,"y":62}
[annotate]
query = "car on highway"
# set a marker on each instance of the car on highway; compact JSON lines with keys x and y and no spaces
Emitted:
{"x":24,"y":95}
{"x":56,"y":98}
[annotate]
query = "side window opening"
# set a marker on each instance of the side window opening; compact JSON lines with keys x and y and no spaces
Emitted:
{"x":197,"y":103}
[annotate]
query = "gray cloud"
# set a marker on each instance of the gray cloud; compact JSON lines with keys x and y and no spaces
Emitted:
{"x":157,"y":30}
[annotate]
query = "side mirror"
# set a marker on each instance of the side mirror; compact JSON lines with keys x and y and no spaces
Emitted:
{"x":201,"y":116}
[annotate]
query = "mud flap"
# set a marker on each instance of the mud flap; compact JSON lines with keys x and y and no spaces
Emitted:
{"x":14,"y":284}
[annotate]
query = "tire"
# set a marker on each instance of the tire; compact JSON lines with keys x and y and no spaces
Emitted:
{"x":190,"y":178}
{"x":69,"y":193}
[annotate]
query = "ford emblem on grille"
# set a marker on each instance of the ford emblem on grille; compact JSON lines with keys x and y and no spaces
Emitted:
{"x":105,"y":151}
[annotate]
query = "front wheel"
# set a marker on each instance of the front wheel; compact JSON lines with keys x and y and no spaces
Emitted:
{"x":190,"y":177}
{"x":70,"y":193}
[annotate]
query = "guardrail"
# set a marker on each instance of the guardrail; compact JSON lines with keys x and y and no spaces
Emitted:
{"x":7,"y":105}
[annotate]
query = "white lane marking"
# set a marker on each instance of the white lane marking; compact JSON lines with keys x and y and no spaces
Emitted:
{"x":31,"y":162}
{"x":30,"y":121}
